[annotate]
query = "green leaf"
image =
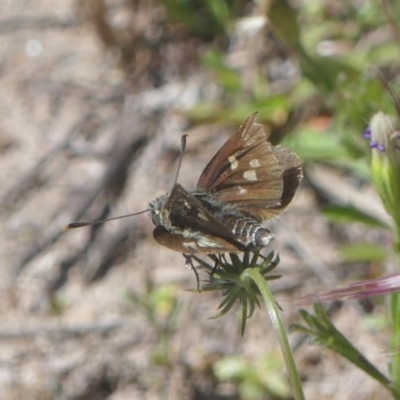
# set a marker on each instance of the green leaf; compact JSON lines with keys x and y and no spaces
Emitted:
{"x":231,"y":368}
{"x":221,"y":12}
{"x":347,"y":214}
{"x":226,"y":77}
{"x":363,"y":252}
{"x":326,"y":334}
{"x":312,"y":145}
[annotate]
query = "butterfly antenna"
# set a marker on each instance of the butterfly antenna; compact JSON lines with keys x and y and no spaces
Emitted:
{"x":183,"y":146}
{"x":73,"y":225}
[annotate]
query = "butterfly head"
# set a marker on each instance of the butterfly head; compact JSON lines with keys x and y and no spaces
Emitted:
{"x":158,"y":212}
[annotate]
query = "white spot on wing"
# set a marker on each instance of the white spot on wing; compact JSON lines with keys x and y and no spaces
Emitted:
{"x":254,"y":163}
{"x":250,"y":175}
{"x":242,"y":190}
{"x":234,"y":162}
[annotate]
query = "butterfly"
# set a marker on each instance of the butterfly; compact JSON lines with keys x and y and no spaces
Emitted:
{"x":247,"y":182}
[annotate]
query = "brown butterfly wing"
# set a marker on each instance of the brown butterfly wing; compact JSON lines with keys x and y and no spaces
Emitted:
{"x":292,"y":173}
{"x":203,"y":244}
{"x":252,"y":175}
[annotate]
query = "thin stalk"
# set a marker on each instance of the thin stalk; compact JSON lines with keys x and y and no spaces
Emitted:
{"x":274,"y":314}
{"x":395,"y":365}
{"x":395,"y":308}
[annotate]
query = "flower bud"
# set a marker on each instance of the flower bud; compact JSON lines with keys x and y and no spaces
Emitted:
{"x":384,"y":135}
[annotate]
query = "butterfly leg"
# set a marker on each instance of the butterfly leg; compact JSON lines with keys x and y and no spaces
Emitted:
{"x":216,"y":262}
{"x":189,"y":265}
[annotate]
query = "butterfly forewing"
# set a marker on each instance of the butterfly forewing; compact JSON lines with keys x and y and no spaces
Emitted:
{"x":245,"y":159}
{"x":251,"y":174}
{"x":187,"y":212}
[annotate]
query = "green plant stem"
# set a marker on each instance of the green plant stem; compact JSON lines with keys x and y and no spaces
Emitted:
{"x":395,"y":367}
{"x":395,"y":307}
{"x":274,"y":314}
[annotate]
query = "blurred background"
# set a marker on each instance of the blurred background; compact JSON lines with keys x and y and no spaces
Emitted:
{"x":94,"y":97}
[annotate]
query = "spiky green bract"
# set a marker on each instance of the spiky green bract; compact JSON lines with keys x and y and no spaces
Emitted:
{"x":229,"y":277}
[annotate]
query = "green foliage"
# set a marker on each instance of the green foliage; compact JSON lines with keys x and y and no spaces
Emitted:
{"x":320,"y":327}
{"x":363,"y":252}
{"x":313,"y":146}
{"x":347,"y":214}
{"x":255,"y":380}
{"x":160,"y":306}
{"x":207,"y":19}
{"x":226,"y":77}
{"x":58,"y":305}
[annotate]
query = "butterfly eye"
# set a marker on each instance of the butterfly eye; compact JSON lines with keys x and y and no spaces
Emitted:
{"x":155,"y":217}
